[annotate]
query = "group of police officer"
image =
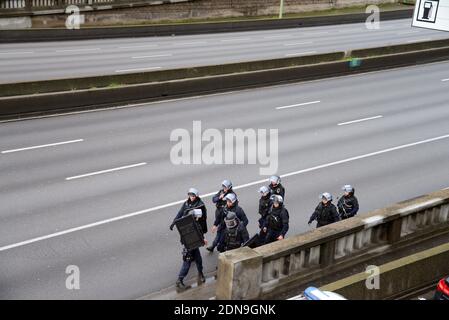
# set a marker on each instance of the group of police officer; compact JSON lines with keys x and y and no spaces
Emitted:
{"x":231,"y":221}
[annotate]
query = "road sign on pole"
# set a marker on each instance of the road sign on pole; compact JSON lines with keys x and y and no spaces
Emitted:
{"x":281,"y":9}
{"x":431,"y":14}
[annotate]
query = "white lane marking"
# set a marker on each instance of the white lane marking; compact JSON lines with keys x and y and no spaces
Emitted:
{"x":359,"y":120}
{"x":278,"y":37}
{"x":316,"y":33}
{"x":153,"y":56}
{"x":142,"y":46}
{"x":235,"y":39}
{"x":298,"y":105}
{"x":80,"y":49}
{"x":16,"y":52}
{"x":171,"y":204}
{"x":299,"y":53}
{"x":189,"y":43}
{"x":444,"y":80}
{"x":297,"y":43}
{"x":407,"y":32}
{"x":367,"y":155}
{"x":419,"y":40}
{"x":138,"y":69}
{"x":106,"y":171}
{"x":42,"y":146}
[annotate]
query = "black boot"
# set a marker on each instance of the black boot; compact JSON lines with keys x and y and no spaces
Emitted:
{"x":180,"y":284}
{"x":201,"y":279}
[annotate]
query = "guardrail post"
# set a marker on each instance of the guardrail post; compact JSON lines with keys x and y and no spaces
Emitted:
{"x":327,"y":253}
{"x":28,"y":5}
{"x":239,"y":274}
{"x":394,"y":231}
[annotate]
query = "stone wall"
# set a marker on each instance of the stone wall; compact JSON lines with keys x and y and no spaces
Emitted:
{"x":202,"y":9}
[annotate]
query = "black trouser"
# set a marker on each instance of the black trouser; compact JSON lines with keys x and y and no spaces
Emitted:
{"x":218,"y":237}
{"x":272,"y":235}
{"x":196,"y":256}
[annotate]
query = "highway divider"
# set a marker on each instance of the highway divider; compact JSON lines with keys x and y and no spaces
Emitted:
{"x":56,"y":34}
{"x":83,"y":93}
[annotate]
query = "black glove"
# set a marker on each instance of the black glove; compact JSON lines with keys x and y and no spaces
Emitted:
{"x":171,"y":226}
{"x":310,"y":221}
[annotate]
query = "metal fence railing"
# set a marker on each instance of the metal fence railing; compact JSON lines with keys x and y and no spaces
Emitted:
{"x":47,"y":4}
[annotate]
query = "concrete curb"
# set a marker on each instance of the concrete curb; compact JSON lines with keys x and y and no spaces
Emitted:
{"x":33,"y":35}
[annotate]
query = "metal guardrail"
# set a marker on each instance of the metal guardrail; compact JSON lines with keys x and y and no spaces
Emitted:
{"x":51,"y":4}
{"x":291,"y":260}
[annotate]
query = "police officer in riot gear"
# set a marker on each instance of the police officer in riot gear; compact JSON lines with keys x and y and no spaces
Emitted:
{"x":193,"y":205}
{"x":276,"y":186}
{"x":220,"y":202}
{"x":218,"y":198}
{"x":189,"y":256}
{"x":348,"y":205}
{"x":231,"y":205}
{"x":193,"y":202}
{"x":325,"y":213}
{"x":277,"y":221}
{"x":234,"y":235}
{"x":265,"y":204}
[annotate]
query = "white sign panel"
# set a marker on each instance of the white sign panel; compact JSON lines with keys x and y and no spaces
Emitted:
{"x":431,"y":14}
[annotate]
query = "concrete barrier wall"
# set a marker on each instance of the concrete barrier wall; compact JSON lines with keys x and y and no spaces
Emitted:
{"x":55,"y":34}
{"x":165,"y":75}
{"x":18,"y":106}
{"x":47,"y":86}
{"x":397,"y":278}
{"x":286,"y":264}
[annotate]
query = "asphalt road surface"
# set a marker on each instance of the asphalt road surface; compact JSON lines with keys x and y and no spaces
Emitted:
{"x":98,"y":190}
{"x":54,"y":60}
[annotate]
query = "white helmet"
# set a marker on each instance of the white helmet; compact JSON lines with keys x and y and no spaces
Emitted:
{"x":348,"y":188}
{"x":227,"y":184}
{"x":275,"y":179}
{"x":193,"y":191}
{"x":264,"y":189}
{"x":326,"y":196}
{"x":231,"y":197}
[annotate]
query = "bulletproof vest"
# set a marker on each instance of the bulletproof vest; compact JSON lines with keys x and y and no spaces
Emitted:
{"x":232,"y":237}
{"x":348,"y":203}
{"x":325,"y":215}
{"x":222,"y":203}
{"x":275,"y":221}
{"x":264,"y":206}
{"x":276,"y":190}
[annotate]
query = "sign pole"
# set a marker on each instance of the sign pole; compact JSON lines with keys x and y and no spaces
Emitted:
{"x":281,"y":9}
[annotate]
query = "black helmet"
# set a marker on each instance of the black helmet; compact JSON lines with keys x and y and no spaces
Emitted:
{"x":277,"y":199}
{"x":231,"y":220}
